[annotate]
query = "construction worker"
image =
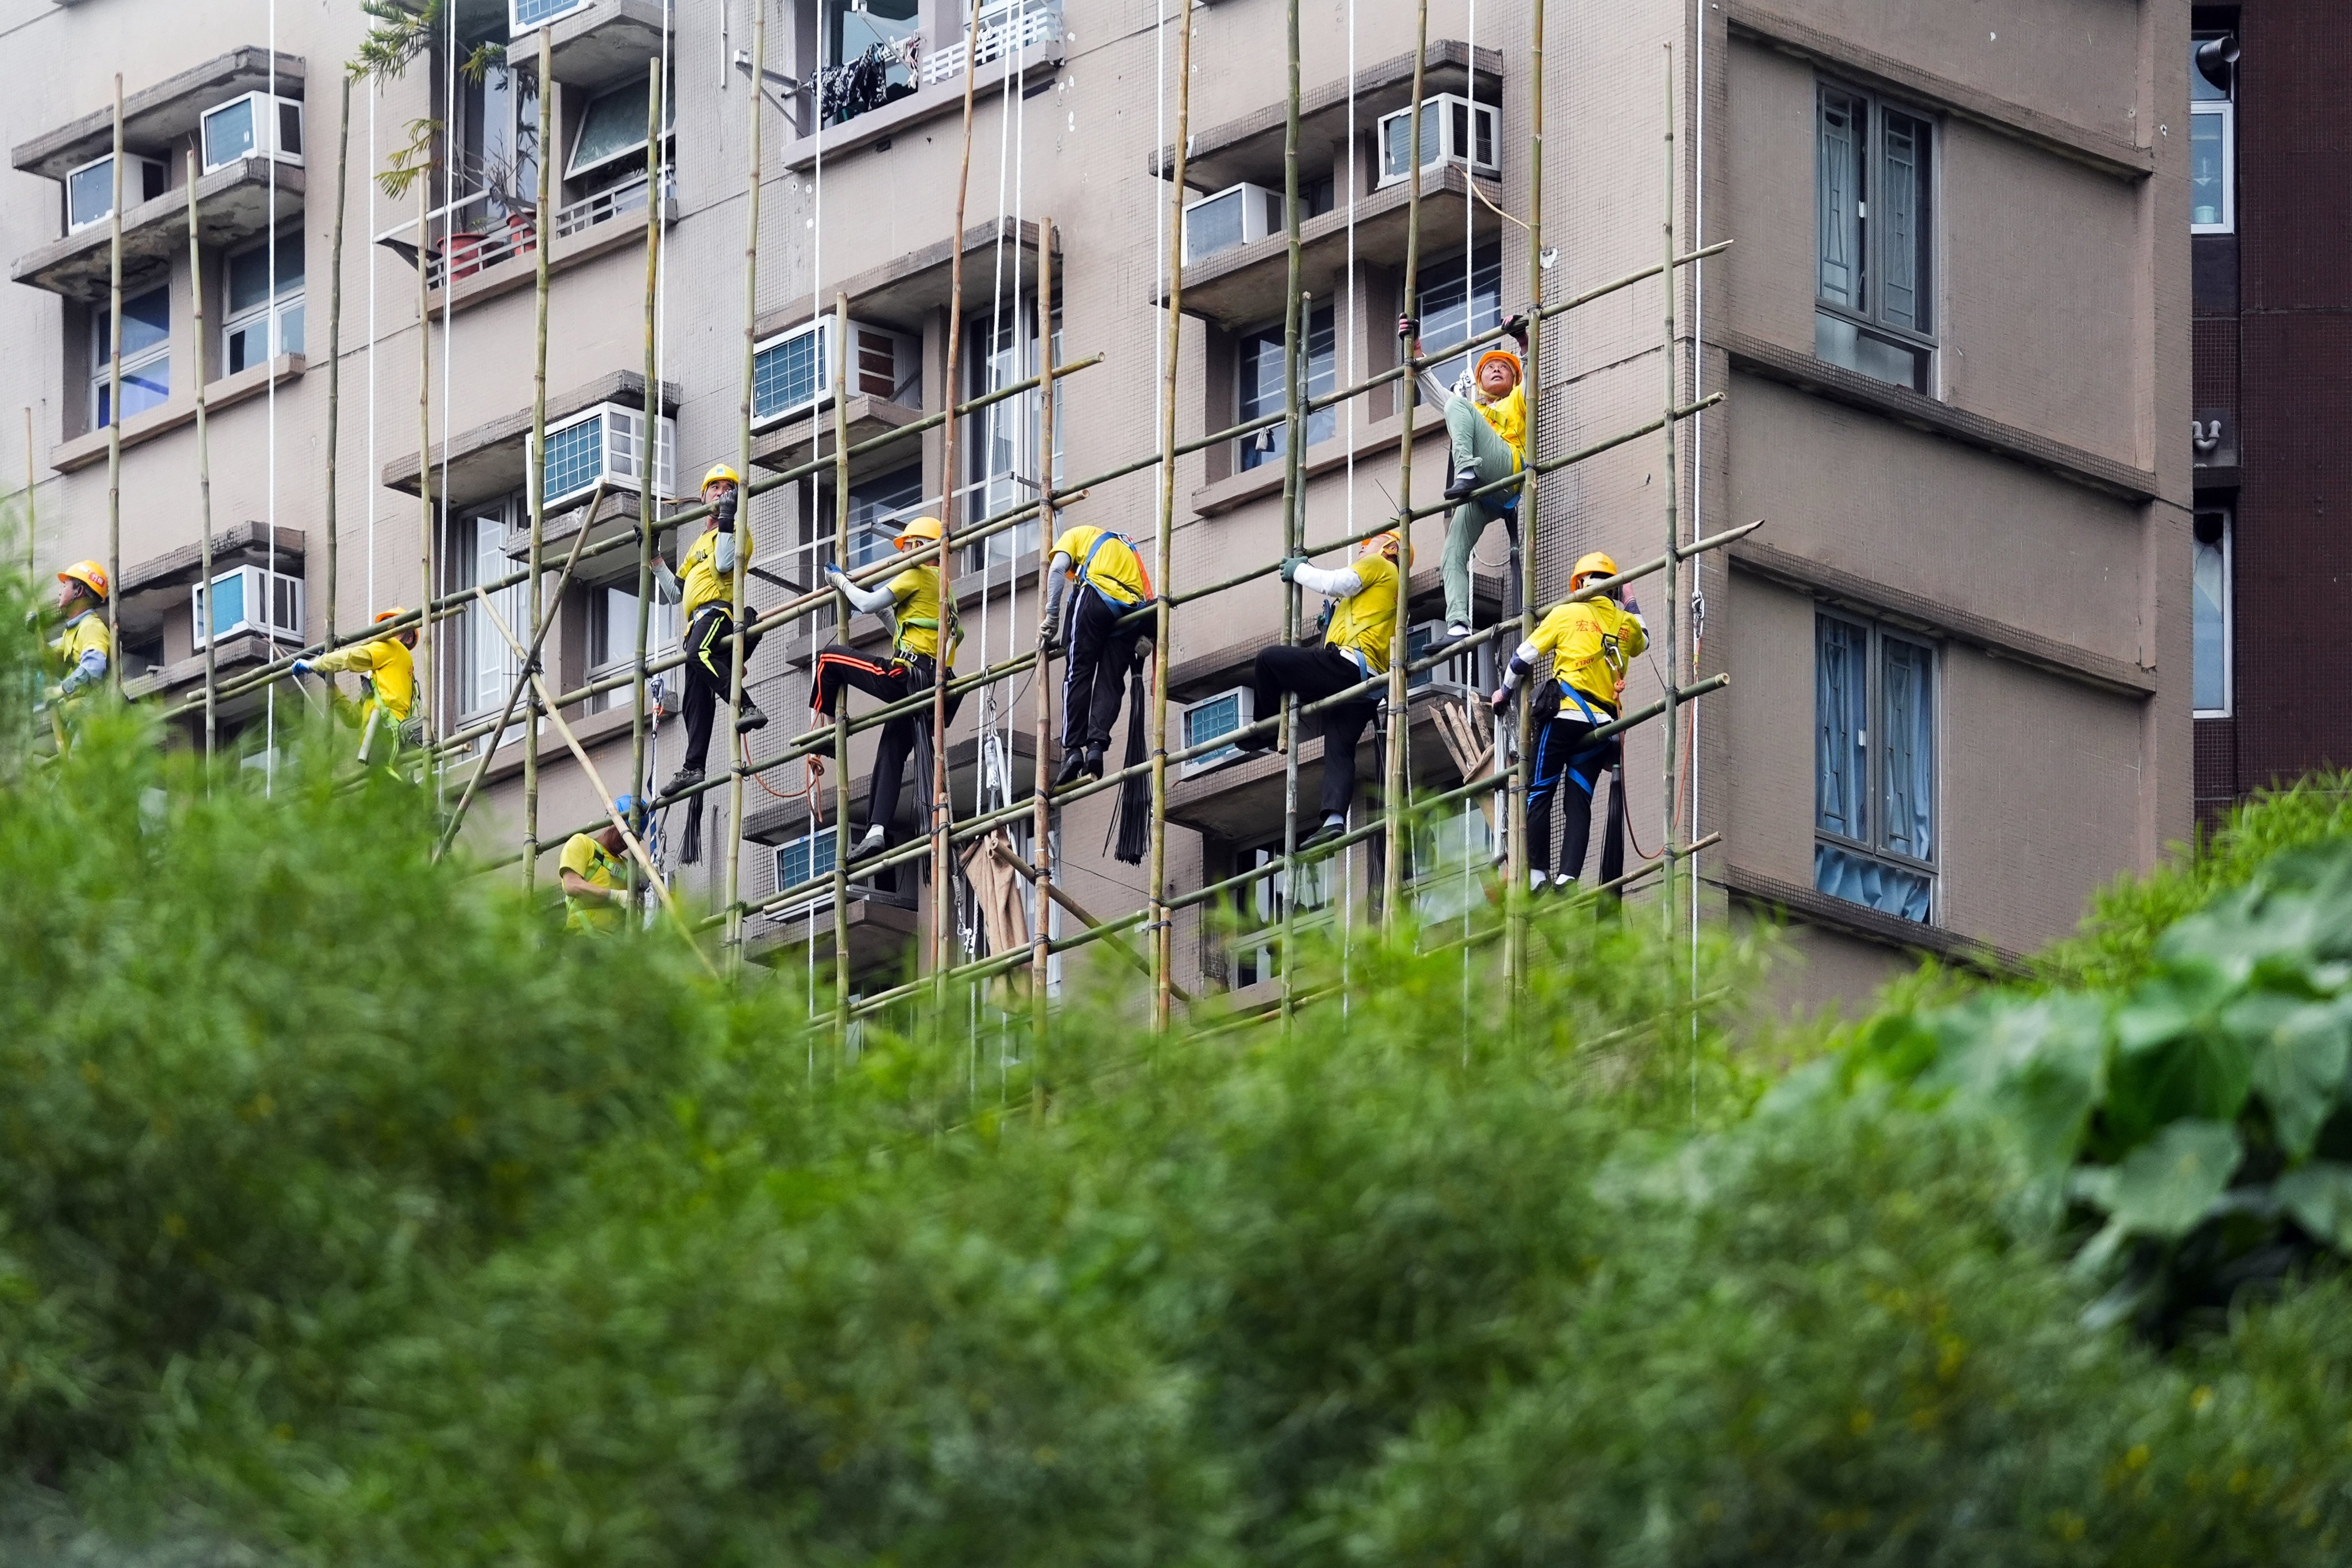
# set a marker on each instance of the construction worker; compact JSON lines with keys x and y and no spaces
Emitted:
{"x":1486,"y":420}
{"x":917,"y":660}
{"x":1101,"y":650}
{"x":387,"y":669}
{"x":1590,"y":644}
{"x":707,"y":590}
{"x":85,"y":648}
{"x":1355,"y":647}
{"x":595,"y":874}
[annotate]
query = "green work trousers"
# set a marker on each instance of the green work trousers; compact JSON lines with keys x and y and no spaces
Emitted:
{"x":1475,"y":445}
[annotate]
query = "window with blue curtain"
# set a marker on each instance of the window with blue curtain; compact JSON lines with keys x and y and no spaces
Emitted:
{"x":1874,"y":762}
{"x":1874,"y":278}
{"x":1262,"y":389}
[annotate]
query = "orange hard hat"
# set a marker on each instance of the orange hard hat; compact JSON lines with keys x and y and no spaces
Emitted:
{"x":393,"y":614}
{"x":88,"y":574}
{"x":1389,"y":544}
{"x":1518,"y":371}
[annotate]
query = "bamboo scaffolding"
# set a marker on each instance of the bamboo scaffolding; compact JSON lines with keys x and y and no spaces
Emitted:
{"x":425,"y":706}
{"x":204,"y":471}
{"x":841,"y":976}
{"x":543,"y":243}
{"x":656,"y":148}
{"x":1042,"y":827}
{"x":1295,"y":305}
{"x":32,"y":505}
{"x":114,"y":414}
{"x":1400,"y":723}
{"x":736,"y":746}
{"x":1514,"y":820}
{"x":1674,"y":513}
{"x":334,"y":360}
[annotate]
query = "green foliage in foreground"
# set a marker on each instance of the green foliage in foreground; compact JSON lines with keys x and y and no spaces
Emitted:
{"x":350,"y":1215}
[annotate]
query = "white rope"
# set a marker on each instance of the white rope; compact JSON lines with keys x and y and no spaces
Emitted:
{"x":374,"y":96}
{"x":269,"y":369}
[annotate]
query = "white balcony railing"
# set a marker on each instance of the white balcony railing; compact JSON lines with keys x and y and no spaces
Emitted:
{"x":467,"y":253}
{"x":1007,"y":29}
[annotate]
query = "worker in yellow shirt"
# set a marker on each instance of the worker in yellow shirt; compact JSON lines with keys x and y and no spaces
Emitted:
{"x":594,"y":874}
{"x":705,"y":586}
{"x":1355,"y":647}
{"x":1112,"y":582}
{"x":85,"y":648}
{"x":922,"y":651}
{"x":1590,"y":644}
{"x":387,"y":669}
{"x":1487,"y":422}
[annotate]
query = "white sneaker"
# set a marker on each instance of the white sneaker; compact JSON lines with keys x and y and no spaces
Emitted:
{"x":1535,"y":881}
{"x":1455,"y":631}
{"x":1562,"y":882}
{"x":869,"y":845}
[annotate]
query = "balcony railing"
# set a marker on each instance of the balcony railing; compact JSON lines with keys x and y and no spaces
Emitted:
{"x":467,"y":253}
{"x":1004,"y":29}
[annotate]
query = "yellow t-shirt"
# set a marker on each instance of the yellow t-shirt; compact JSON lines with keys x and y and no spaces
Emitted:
{"x":84,"y":632}
{"x":1116,"y":569}
{"x":1590,"y":644}
{"x":589,"y":859}
{"x":701,"y":581}
{"x":390,"y":669}
{"x":916,"y":610}
{"x":1509,"y":417}
{"x":1365,"y":623}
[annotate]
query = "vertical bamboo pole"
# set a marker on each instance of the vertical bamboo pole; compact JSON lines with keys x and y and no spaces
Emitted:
{"x":1515,"y":801}
{"x":32,"y":504}
{"x":1163,"y":943}
{"x":542,"y":241}
{"x":736,"y":748}
{"x":334,"y":348}
{"x":1392,"y":804}
{"x":204,"y":471}
{"x":1297,"y":323}
{"x":1041,"y":921}
{"x":942,"y":813}
{"x":426,"y":704}
{"x":1673,"y":514}
{"x":114,"y":418}
{"x":840,"y":702}
{"x":654,"y":170}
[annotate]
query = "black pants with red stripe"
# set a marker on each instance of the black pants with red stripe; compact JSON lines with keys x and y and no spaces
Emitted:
{"x":1102,"y":651}
{"x":710,"y":671}
{"x":901,"y":675}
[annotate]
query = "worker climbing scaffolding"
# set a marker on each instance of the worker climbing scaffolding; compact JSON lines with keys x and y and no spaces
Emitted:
{"x":84,"y":647}
{"x":387,"y":670}
{"x":704,"y":587}
{"x":1487,"y":430}
{"x":1102,"y":643}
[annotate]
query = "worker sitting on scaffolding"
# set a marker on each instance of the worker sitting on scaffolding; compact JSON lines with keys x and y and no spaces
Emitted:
{"x":85,"y":646}
{"x":1486,"y":420}
{"x":912,"y":599}
{"x":1590,"y":644}
{"x":387,"y":669}
{"x":707,"y":588}
{"x":1102,"y":647}
{"x":1355,"y":648}
{"x":595,"y":873}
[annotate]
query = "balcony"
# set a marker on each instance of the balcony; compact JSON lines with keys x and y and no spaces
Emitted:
{"x":155,"y":607}
{"x":602,"y":44}
{"x":243,"y":201}
{"x":1006,"y":29}
{"x":483,"y":255}
{"x":1016,"y":37}
{"x":155,"y":117}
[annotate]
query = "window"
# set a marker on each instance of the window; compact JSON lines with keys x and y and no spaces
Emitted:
{"x":146,"y":357}
{"x":1460,"y":297}
{"x":612,"y":130}
{"x":1875,"y":813}
{"x":1875,"y":283}
{"x":867,"y":37}
{"x":524,"y":15}
{"x":264,"y":314}
{"x":2212,"y":137}
{"x":878,"y":508}
{"x":1002,"y":438}
{"x":1454,"y":130}
{"x":1261,"y":379}
{"x":90,"y":190}
{"x":613,"y":636}
{"x":486,"y":668}
{"x":1257,"y":907}
{"x":497,"y":138}
{"x":1212,"y":717}
{"x":2213,"y":595}
{"x":1449,"y":853}
{"x":242,"y":598}
{"x":809,"y":856}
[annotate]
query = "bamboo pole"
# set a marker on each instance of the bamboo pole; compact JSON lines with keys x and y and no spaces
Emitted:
{"x":942,"y":812}
{"x":1297,"y":303}
{"x":334,"y":350}
{"x":542,"y":242}
{"x":1042,"y":829}
{"x":114,"y":415}
{"x":1515,"y":797}
{"x":840,"y":702}
{"x":1392,"y":803}
{"x":204,"y":474}
{"x":738,"y":750}
{"x":32,"y":504}
{"x":1674,"y":515}
{"x":1163,"y":944}
{"x":654,"y":150}
{"x":426,"y":707}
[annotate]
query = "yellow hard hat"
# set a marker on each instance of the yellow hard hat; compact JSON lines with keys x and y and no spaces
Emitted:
{"x":922,"y":529}
{"x":1596,"y":565}
{"x":1388,"y":545}
{"x":719,"y":472}
{"x":88,"y":574}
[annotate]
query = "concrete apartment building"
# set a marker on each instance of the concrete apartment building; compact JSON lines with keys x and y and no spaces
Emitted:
{"x":2273,"y":407}
{"x":1950,"y":337}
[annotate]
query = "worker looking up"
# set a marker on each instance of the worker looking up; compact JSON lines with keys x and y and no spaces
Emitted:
{"x":707,"y":590}
{"x":85,"y":648}
{"x":1590,"y":644}
{"x":911,"y":598}
{"x":595,"y":874}
{"x":1355,"y":647}
{"x":385,"y":667}
{"x":1487,"y":419}
{"x":1112,"y":582}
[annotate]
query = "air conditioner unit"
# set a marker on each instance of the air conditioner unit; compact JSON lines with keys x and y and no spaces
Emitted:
{"x":810,"y":855}
{"x":792,"y":372}
{"x":1454,"y":130}
{"x":1459,"y":672}
{"x":259,"y":125}
{"x":1212,"y":717}
{"x":605,"y":442}
{"x":90,"y":190}
{"x":523,"y":15}
{"x":246,"y":597}
{"x":1237,"y":215}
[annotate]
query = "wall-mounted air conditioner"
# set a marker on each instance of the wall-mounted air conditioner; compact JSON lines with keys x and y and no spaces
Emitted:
{"x":606,"y":443}
{"x":524,"y":15}
{"x":259,"y":125}
{"x":1212,"y":717}
{"x":90,"y":190}
{"x":1235,"y":215}
{"x":1454,"y":130}
{"x":249,"y":599}
{"x":792,"y":372}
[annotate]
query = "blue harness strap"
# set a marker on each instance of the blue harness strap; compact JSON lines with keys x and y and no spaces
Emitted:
{"x":1086,"y":567}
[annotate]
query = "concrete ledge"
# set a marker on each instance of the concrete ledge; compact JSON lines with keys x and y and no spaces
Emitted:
{"x":1037,"y":66}
{"x":161,"y":113}
{"x":236,"y":202}
{"x":1816,"y":908}
{"x":180,"y":568}
{"x":229,"y":391}
{"x":902,"y":292}
{"x":487,"y":459}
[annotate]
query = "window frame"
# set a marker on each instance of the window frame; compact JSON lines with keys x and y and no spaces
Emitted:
{"x":1265,"y":446}
{"x":573,"y":169}
{"x":101,"y":357}
{"x":1470,"y":262}
{"x":483,"y":647}
{"x":1870,"y":318}
{"x":2229,"y":615}
{"x":2225,"y":110}
{"x":1256,"y":907}
{"x":1872,"y":844}
{"x":985,"y":347}
{"x":273,"y":307}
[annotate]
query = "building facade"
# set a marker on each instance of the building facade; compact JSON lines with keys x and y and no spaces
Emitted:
{"x":1948,"y":340}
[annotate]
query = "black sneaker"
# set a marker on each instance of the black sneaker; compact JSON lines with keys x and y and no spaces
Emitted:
{"x":1263,"y":740}
{"x":681,"y":781}
{"x":748,"y":717}
{"x":1074,"y":766}
{"x":1459,"y":486}
{"x":1095,"y":761}
{"x":1333,"y":827}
